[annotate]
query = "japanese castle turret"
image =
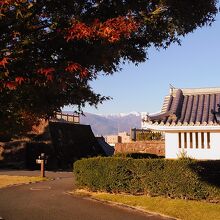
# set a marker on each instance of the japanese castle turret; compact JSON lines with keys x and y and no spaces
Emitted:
{"x":188,"y":119}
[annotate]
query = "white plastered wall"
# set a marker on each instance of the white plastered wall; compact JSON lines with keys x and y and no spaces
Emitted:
{"x":172,"y":150}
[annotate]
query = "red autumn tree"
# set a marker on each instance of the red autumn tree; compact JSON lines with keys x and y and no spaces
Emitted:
{"x":51,"y":50}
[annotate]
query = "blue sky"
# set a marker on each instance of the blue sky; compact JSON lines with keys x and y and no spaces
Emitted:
{"x":196,"y":63}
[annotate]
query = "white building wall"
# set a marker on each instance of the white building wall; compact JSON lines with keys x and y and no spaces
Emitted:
{"x":172,"y":150}
{"x":171,"y":145}
{"x":215,"y":144}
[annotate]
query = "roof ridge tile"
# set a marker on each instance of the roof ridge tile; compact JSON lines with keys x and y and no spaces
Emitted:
{"x":188,"y":107}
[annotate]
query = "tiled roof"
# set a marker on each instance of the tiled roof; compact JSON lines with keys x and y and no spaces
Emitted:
{"x":188,"y":107}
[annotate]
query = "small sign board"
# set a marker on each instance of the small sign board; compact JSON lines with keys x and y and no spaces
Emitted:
{"x":39,"y":161}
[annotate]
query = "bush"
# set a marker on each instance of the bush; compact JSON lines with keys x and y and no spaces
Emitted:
{"x":170,"y":178}
{"x":138,"y":155}
{"x":148,"y":136}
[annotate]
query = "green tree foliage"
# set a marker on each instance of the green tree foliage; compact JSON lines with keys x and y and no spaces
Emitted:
{"x":51,"y":50}
{"x":149,"y":136}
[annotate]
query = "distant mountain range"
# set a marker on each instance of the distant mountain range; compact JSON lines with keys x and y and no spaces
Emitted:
{"x":111,"y":124}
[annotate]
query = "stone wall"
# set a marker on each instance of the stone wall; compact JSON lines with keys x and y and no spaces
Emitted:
{"x":151,"y":147}
{"x":13,"y":154}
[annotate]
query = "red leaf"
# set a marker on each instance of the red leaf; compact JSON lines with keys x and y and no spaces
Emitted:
{"x":49,"y":78}
{"x":3,"y":62}
{"x":46,"y":71}
{"x":73,"y":67}
{"x":112,"y":29}
{"x":19,"y":79}
{"x":84,"y":73}
{"x":79,"y":30}
{"x":10,"y":85}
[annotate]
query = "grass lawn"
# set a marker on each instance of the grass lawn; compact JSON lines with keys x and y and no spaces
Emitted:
{"x":6,"y":180}
{"x":178,"y":208}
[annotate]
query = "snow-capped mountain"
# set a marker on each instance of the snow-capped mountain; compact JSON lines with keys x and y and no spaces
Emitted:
{"x":111,"y":123}
{"x":118,"y":115}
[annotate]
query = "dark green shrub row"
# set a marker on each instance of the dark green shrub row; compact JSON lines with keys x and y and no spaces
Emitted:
{"x":171,"y":178}
{"x":138,"y":155}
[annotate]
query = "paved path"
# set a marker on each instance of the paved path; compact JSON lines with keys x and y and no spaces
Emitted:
{"x":50,"y":201}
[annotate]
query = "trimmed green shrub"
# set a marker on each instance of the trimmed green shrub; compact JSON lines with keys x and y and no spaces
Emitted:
{"x":170,"y":178}
{"x":137,"y":155}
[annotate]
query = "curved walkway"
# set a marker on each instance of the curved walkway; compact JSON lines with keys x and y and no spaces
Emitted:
{"x":49,"y":200}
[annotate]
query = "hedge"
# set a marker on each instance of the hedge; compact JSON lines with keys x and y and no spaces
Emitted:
{"x":186,"y":178}
{"x":138,"y":155}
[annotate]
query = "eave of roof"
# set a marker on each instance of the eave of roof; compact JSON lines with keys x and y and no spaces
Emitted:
{"x":196,"y":128}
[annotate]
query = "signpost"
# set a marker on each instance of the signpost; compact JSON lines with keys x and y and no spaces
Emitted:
{"x":42,"y":160}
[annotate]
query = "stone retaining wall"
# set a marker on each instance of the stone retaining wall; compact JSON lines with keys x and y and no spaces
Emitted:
{"x":13,"y":154}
